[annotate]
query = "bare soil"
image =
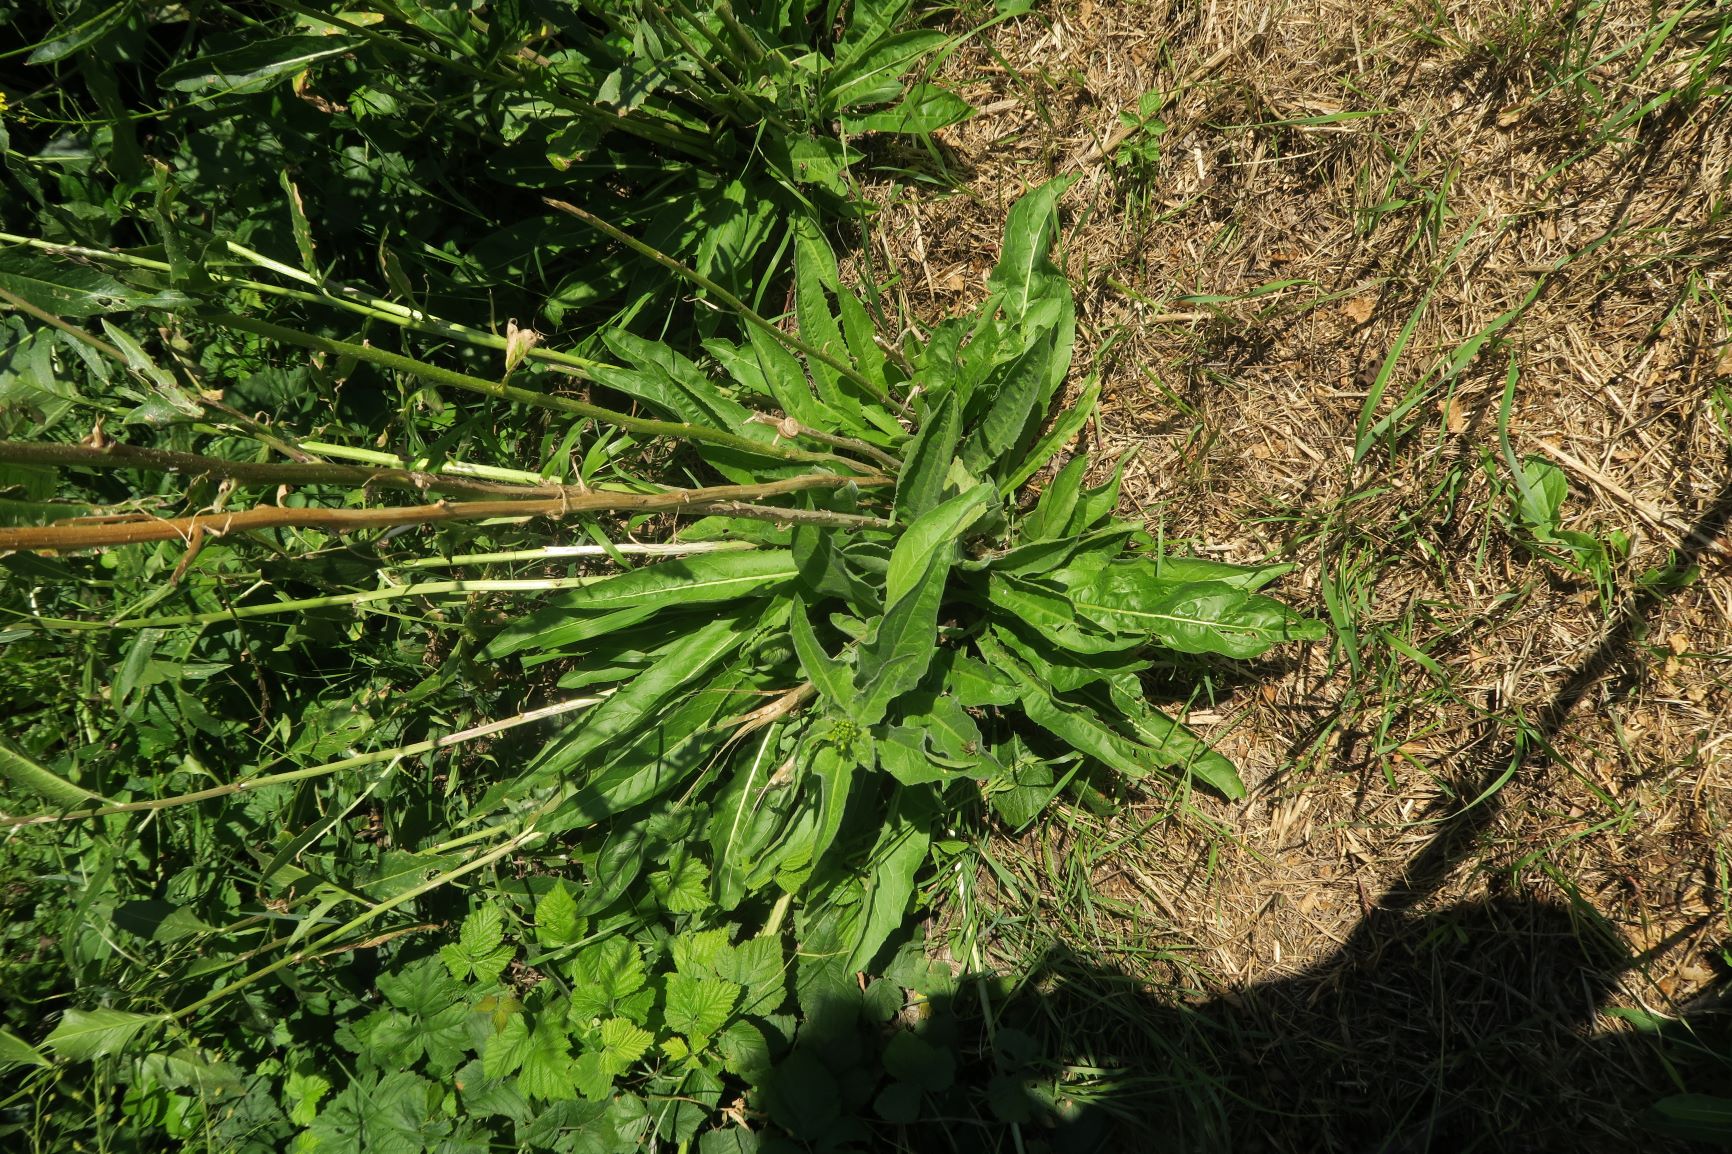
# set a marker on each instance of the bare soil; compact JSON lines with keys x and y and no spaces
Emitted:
{"x":1485,"y":845}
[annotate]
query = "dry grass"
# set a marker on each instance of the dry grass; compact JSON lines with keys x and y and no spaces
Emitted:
{"x":1542,"y":186}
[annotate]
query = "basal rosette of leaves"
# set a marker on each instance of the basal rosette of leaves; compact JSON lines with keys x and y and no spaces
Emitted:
{"x":583,"y":840}
{"x":781,"y":724}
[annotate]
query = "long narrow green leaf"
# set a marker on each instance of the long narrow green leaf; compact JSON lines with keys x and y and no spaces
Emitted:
{"x":1193,"y":617}
{"x":27,"y":775}
{"x":876,"y":74}
{"x":830,"y":675}
{"x":920,"y":484}
{"x":1057,"y":502}
{"x":15,"y":1051}
{"x":258,"y":64}
{"x":1024,"y":272}
{"x":664,"y":754}
{"x":895,"y":659}
{"x":623,"y":715}
{"x":937,"y":530}
{"x":1010,"y":405}
{"x":1082,"y":728}
{"x":97,"y":1033}
{"x":704,"y":579}
{"x":1064,"y":429}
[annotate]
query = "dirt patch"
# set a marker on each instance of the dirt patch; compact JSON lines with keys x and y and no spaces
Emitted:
{"x":1315,"y":246}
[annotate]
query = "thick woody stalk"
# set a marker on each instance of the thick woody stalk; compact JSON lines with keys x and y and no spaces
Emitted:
{"x":731,"y":500}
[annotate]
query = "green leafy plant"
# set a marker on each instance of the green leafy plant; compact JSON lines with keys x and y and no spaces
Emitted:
{"x":750,"y":601}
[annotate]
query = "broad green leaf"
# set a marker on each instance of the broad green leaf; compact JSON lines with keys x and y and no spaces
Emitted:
{"x":1541,"y":499}
{"x":623,"y":1042}
{"x":505,"y":1050}
{"x":302,"y":1092}
{"x":758,"y":966}
{"x":30,"y":777}
{"x":480,"y":949}
{"x":1078,"y":726}
{"x":925,"y":109}
{"x":400,"y":870}
{"x":1197,"y":617}
{"x":875,"y":75}
{"x":79,"y":30}
{"x":827,"y":569}
{"x":546,"y":1069}
{"x":902,"y":754}
{"x":1024,"y":271}
{"x":256,"y":65}
{"x":683,"y":889}
{"x":745,"y":1051}
{"x":15,"y":1051}
{"x":605,"y":976}
{"x":430,"y":1017}
{"x":556,"y":919}
{"x":698,"y":1007}
{"x":702,"y":953}
{"x":920,"y":484}
{"x":70,"y":290}
{"x":897,"y":859}
{"x":701,"y":580}
{"x":97,"y":1033}
{"x":896,"y":657}
{"x":933,"y":535}
{"x":976,"y":684}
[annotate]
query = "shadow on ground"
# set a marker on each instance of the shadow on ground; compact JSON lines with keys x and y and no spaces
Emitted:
{"x":1477,"y":1027}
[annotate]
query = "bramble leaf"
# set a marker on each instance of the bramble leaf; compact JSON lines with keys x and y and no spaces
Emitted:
{"x":480,"y":948}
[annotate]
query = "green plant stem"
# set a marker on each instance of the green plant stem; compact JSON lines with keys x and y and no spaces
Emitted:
{"x":330,"y":293}
{"x":118,"y":456}
{"x":747,"y":41}
{"x":778,"y":914}
{"x":787,"y":426}
{"x":739,"y":306}
{"x":514,"y":477}
{"x":367,"y":597}
{"x":564,"y":552}
{"x":505,"y":392}
{"x":249,"y":784}
{"x":404,"y":316}
{"x":318,"y":946}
